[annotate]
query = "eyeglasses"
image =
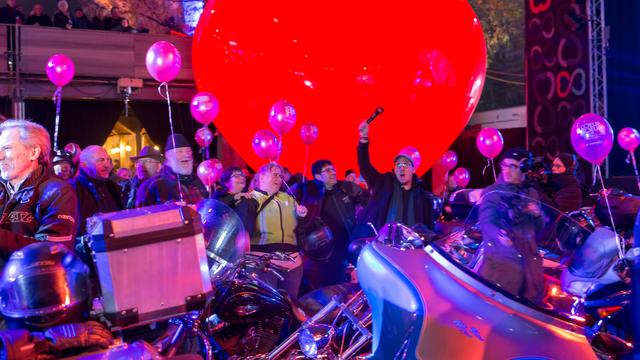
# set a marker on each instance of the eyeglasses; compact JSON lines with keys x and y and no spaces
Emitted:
{"x":148,"y":160}
{"x":329,"y":169}
{"x":401,"y":165}
{"x":509,"y":166}
{"x":238,"y":175}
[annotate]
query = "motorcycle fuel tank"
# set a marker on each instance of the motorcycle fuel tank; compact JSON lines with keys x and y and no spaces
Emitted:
{"x":247,"y":301}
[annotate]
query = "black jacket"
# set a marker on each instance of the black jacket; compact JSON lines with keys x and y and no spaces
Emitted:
{"x":164,"y":187}
{"x":61,"y":20}
{"x":43,"y":209}
{"x":42,"y":20}
{"x":512,"y":212}
{"x":311,"y":195}
{"x":225,"y":197}
{"x":8,"y":15}
{"x":564,"y":193}
{"x":89,"y":202}
{"x":130,"y":191}
{"x":382,"y":186}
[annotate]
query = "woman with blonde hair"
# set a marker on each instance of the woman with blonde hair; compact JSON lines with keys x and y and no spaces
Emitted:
{"x":270,"y":217}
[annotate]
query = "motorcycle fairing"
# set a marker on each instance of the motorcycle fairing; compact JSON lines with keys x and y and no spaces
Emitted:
{"x":397,"y":309}
{"x":456,"y":315}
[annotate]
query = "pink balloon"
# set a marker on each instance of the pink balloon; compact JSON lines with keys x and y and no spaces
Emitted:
{"x":592,"y":137}
{"x":629,"y":139}
{"x":209,"y":171}
{"x":413,"y":154}
{"x":449,"y":160}
{"x":60,"y":69}
{"x":282,"y":117}
{"x":266,"y":145}
{"x":204,"y":137}
{"x":163,"y":61}
{"x":462,"y":177}
{"x":490,"y":142}
{"x":309,"y":133}
{"x":75,"y":150}
{"x":204,"y":107}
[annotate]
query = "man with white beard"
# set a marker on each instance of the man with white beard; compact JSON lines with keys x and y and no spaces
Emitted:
{"x":178,"y":166}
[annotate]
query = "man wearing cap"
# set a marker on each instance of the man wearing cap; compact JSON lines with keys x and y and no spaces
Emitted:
{"x":509,"y":217}
{"x":148,"y":164}
{"x":63,"y":165}
{"x":178,"y":169}
{"x":396,"y":196}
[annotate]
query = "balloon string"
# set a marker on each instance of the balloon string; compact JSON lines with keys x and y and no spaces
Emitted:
{"x":173,"y":138}
{"x":57,"y":99}
{"x":279,"y":153}
{"x":306,"y":163}
{"x":493,"y":167}
{"x":446,"y":183}
{"x":484,"y":169}
{"x":635,"y":167}
{"x":606,"y":199}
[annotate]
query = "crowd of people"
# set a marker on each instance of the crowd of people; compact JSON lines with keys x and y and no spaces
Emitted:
{"x":47,"y":197}
{"x":104,"y":19}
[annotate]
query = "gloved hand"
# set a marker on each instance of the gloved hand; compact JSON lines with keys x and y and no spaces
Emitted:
{"x":78,"y":335}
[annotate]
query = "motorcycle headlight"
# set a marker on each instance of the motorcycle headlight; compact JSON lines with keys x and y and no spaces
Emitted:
{"x":314,"y":338}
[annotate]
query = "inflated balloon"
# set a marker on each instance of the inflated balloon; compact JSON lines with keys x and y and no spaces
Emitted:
{"x":209,"y":171}
{"x":60,"y":69}
{"x":449,"y":160}
{"x":204,"y":137}
{"x":266,"y":145}
{"x":413,"y":154}
{"x":163,"y":61}
{"x":75,"y":150}
{"x":462,"y":177}
{"x":204,"y":107}
{"x":308,"y":133}
{"x":337,"y":66}
{"x":282,"y":117}
{"x":592,"y":137}
{"x":490,"y":142}
{"x":629,"y":139}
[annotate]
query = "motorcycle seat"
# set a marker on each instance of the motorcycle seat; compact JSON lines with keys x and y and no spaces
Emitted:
{"x":591,"y":266}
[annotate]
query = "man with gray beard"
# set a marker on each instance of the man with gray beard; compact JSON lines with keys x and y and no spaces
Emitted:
{"x":176,"y":176}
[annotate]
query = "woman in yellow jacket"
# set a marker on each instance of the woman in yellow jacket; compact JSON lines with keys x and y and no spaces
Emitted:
{"x":270,"y":217}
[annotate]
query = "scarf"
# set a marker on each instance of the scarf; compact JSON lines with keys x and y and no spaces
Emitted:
{"x":395,"y":210}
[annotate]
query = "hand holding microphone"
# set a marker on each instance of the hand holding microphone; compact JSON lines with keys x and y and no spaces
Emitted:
{"x":364,"y":126}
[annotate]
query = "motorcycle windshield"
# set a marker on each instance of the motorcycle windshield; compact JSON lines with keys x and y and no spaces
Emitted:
{"x":225,"y":236}
{"x":508,"y":237}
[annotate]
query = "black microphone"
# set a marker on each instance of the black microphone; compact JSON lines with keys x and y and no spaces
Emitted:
{"x":379,"y":110}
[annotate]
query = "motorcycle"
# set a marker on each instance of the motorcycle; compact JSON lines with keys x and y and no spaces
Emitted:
{"x":342,"y":328}
{"x":431,"y":302}
{"x":246,"y":316}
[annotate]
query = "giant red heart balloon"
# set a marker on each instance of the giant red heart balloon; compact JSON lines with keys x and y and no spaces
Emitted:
{"x":424,"y":61}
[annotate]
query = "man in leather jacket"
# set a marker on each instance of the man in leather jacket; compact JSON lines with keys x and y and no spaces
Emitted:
{"x":36,"y":205}
{"x":95,"y":191}
{"x":334,"y":202}
{"x":510,"y":217}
